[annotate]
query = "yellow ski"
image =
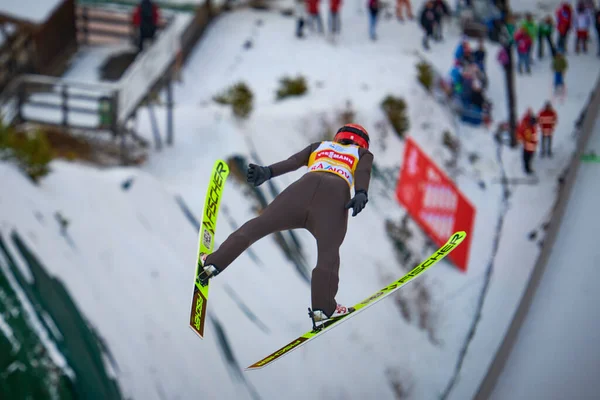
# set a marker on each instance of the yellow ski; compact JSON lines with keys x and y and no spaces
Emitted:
{"x":439,"y":254}
{"x":206,"y":243}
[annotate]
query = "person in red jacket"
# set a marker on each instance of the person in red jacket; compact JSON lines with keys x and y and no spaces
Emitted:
{"x":334,"y":16}
{"x":524,"y":43}
{"x":314,"y":16}
{"x":564,"y":19}
{"x":145,"y":18}
{"x":547,"y":119}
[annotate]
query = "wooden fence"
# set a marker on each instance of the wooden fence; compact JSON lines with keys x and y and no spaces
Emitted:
{"x":65,"y":103}
{"x":17,"y":55}
{"x":97,"y":26}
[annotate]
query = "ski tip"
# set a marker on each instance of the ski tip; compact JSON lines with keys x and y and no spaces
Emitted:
{"x":253,"y":368}
{"x":196,"y":332}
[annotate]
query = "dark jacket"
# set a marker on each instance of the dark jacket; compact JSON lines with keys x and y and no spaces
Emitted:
{"x":428,"y":18}
{"x":441,"y":8}
{"x":146,"y":16}
{"x":373,"y":6}
{"x":477,"y":98}
{"x":479,"y":58}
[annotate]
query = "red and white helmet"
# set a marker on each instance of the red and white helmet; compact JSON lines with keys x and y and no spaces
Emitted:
{"x":354,"y":132}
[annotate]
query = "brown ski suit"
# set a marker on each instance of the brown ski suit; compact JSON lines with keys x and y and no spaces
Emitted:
{"x":315,"y":202}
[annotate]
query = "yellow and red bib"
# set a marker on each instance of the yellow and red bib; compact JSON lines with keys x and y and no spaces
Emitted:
{"x":336,"y":158}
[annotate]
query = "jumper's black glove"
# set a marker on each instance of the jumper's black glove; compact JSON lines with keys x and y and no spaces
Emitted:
{"x":258,"y":175}
{"x":358,"y":202}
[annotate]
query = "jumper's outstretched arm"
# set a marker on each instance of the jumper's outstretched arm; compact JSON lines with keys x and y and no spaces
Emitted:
{"x":294,"y":162}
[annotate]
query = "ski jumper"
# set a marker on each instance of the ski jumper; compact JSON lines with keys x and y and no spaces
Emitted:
{"x":315,"y":202}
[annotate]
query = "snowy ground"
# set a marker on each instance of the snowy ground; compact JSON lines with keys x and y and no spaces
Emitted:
{"x":146,"y":239}
{"x":35,"y":11}
{"x":540,"y":364}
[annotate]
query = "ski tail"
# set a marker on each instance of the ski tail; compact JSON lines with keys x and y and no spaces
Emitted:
{"x":453,"y":242}
{"x":206,"y":243}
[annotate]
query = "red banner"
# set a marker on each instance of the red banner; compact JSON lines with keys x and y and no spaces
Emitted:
{"x":434,"y":202}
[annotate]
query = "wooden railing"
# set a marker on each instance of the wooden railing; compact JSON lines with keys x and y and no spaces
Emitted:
{"x":16,"y":57}
{"x":51,"y":101}
{"x":104,"y":26}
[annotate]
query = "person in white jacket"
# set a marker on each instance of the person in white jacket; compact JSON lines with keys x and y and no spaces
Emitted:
{"x":583,"y":21}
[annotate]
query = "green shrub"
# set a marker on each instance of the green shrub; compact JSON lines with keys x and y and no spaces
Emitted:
{"x":396,"y":112}
{"x":425,"y":75}
{"x":238,"y":165}
{"x":31,"y":151}
{"x":239,"y":97}
{"x":291,"y":87}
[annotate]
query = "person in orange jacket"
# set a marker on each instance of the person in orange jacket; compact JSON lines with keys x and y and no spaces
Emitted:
{"x":145,"y":18}
{"x":529,"y":136}
{"x":523,"y":122}
{"x":547,"y":119}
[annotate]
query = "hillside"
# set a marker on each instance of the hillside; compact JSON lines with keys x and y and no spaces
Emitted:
{"x":127,"y":256}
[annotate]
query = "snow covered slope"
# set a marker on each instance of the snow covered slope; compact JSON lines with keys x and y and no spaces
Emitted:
{"x":138,"y":247}
{"x":126,"y":260}
{"x":35,"y":11}
{"x":540,"y":364}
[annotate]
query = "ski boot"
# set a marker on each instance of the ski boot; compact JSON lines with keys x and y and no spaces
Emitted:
{"x":206,"y":271}
{"x":319,"y":316}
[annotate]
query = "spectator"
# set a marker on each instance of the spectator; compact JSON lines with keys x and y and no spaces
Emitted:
{"x":441,"y":9}
{"x":527,"y":132}
{"x":334,"y":16}
{"x":301,"y":12}
{"x":314,"y":16}
{"x":463,"y":51}
{"x":479,"y":55}
{"x":456,"y":78}
{"x":403,"y":4}
{"x":145,"y":18}
{"x":472,"y":72}
{"x":531,"y":29}
{"x":523,"y":50}
{"x":480,"y":103}
{"x":583,"y":21}
{"x":477,"y":98}
{"x":564,"y":17}
{"x":598,"y":30}
{"x":547,"y":118}
{"x":373,"y":12}
{"x":502,"y":57}
{"x":545,"y":34}
{"x":475,"y":108}
{"x":511,"y":27}
{"x":427,"y":20}
{"x":559,"y":66}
